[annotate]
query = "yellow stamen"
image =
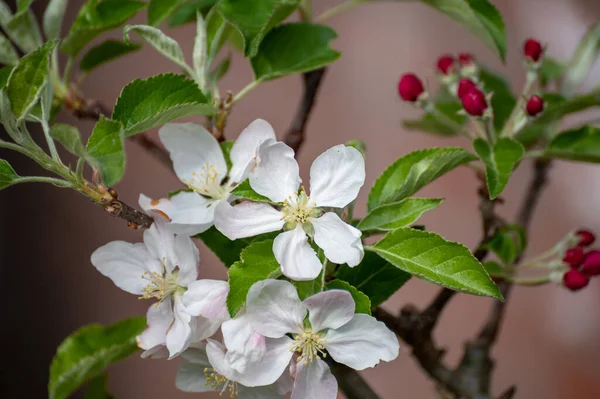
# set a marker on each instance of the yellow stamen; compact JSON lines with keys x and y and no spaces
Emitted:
{"x":207,"y":183}
{"x":220,"y":383}
{"x":310,"y":346}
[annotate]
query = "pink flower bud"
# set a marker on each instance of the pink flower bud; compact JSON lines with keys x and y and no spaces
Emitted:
{"x":574,"y":256}
{"x":465,"y":59}
{"x":575,"y":280}
{"x":532,"y":49}
{"x":586,"y":237}
{"x":410,"y":87}
{"x":591,"y":263}
{"x":535,"y":105}
{"x":464,"y":86}
{"x":445,"y":64}
{"x":474,"y":102}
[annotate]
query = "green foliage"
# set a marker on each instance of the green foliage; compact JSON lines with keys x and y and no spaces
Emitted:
{"x":558,"y":110}
{"x":508,"y":243}
{"x":159,"y":10}
{"x":428,"y":256}
{"x":105,"y":52}
{"x":21,"y":28}
{"x":550,"y":70}
{"x":69,"y":137}
{"x":444,"y":121}
{"x":414,"y":171}
{"x":582,"y":144}
{"x":186,"y":13}
{"x":88,"y":351}
{"x":8,"y":54}
{"x":294,"y":48}
{"x":500,"y":160}
{"x":226,"y":148}
{"x":398,"y":214}
{"x":164,"y":44}
{"x":53,"y":18}
{"x":243,"y":190}
{"x":493,"y":268}
{"x":5,"y":72}
{"x":96,"y":388}
{"x":106,"y":149}
{"x":96,"y":17}
{"x":361,"y":301}
{"x":582,"y":61}
{"x":308,"y":288}
{"x":503,"y":100}
{"x":8,"y":176}
{"x":146,"y":103}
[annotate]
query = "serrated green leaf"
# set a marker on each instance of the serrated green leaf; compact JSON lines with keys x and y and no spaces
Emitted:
{"x":69,"y":137}
{"x":433,"y":122}
{"x":96,"y":388}
{"x":428,"y":256}
{"x":582,"y":144}
{"x":88,"y":351}
{"x":7,"y":174}
{"x":503,"y":100}
{"x":361,"y":300}
{"x":243,"y":190}
{"x":164,"y":44}
{"x":500,"y":161}
{"x":375,"y":277}
{"x":159,"y":10}
{"x":8,"y":54}
{"x":414,"y":171}
{"x":27,"y":80}
{"x":4,"y":75}
{"x":294,"y":48}
{"x":398,"y":214}
{"x":146,"y":103}
{"x":508,"y":243}
{"x":53,"y":18}
{"x":96,"y":17}
{"x":106,"y":149}
{"x":105,"y":52}
{"x":584,"y":58}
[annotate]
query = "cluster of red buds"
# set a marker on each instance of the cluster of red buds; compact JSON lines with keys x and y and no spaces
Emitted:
{"x":583,"y":263}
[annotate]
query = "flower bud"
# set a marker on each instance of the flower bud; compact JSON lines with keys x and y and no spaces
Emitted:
{"x":445,"y":64}
{"x":474,"y":102}
{"x":532,"y":49}
{"x":465,"y":59}
{"x":464,"y":86}
{"x":586,"y":237}
{"x":535,"y":105}
{"x":410,"y":87}
{"x":591,"y":263}
{"x":574,"y":256}
{"x":575,"y":280}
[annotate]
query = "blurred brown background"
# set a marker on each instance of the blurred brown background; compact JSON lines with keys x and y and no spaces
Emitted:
{"x":550,"y":344}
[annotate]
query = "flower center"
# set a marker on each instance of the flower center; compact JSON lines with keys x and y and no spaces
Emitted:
{"x":208,"y":184}
{"x":309,"y":346}
{"x":298,"y":210}
{"x":220,"y":383}
{"x":159,"y":286}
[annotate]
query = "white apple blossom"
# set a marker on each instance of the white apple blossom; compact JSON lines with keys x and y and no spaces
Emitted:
{"x":199,"y":163}
{"x":165,"y":267}
{"x":274,"y":311}
{"x":336,"y":177}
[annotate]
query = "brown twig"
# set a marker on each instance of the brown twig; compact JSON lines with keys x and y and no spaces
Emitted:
{"x":135,"y":219}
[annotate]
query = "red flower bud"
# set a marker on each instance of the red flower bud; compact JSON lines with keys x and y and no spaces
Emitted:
{"x":575,"y":280}
{"x":474,"y":102}
{"x":586,"y":237}
{"x":465,"y":59}
{"x":464,"y":86}
{"x":591,"y":263}
{"x":533,"y":50}
{"x":535,"y":105}
{"x":445,"y":64}
{"x":574,"y":256}
{"x":410,"y":87}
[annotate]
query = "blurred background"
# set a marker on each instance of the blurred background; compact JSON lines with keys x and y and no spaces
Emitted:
{"x":549,"y":345}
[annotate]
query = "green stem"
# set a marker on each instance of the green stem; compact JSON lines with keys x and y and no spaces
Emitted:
{"x":50,"y":142}
{"x":249,"y":87}
{"x":306,"y":10}
{"x":338,"y":9}
{"x":530,"y":281}
{"x":519,"y":109}
{"x":457,"y":127}
{"x":41,"y":179}
{"x":15,"y":147}
{"x":68,"y":70}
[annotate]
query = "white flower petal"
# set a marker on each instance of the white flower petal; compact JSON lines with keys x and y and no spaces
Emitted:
{"x":180,"y":333}
{"x":216,"y":356}
{"x":297,"y":258}
{"x":247,"y":219}
{"x":314,"y":381}
{"x":125,"y":264}
{"x":271,"y":366}
{"x":276,"y":175}
{"x":336,"y":177}
{"x":245,"y":148}
{"x":192,"y":378}
{"x":160,"y":242}
{"x":202,"y":328}
{"x":159,"y":318}
{"x":188,"y":259}
{"x":340,"y":242}
{"x":274,"y":308}
{"x":244,"y":345}
{"x":285,"y":383}
{"x":362,"y":343}
{"x":329,"y":309}
{"x":258,"y":393}
{"x":206,"y":298}
{"x":192,"y":148}
{"x":158,"y":352}
{"x":196,"y":354}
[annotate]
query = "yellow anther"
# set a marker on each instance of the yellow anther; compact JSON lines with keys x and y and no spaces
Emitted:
{"x":309,"y":346}
{"x":208,"y":183}
{"x":297,"y":209}
{"x":220,"y":383}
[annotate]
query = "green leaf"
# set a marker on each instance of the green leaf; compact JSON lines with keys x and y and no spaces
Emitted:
{"x":243,"y":190}
{"x":550,"y":70}
{"x":493,"y":268}
{"x":433,"y":122}
{"x":217,"y":32}
{"x":428,"y":256}
{"x":53,"y":18}
{"x":96,"y":388}
{"x":500,"y":161}
{"x":105,"y":52}
{"x":22,"y":28}
{"x":294,"y":48}
{"x":508,"y":243}
{"x":69,"y":137}
{"x":375,"y":277}
{"x":580,"y":65}
{"x":361,"y":301}
{"x":308,"y":288}
{"x":96,"y":17}
{"x":572,"y":105}
{"x":254,"y":19}
{"x":398,"y":214}
{"x":159,"y":10}
{"x":414,"y":171}
{"x":4,"y":75}
{"x":220,"y":70}
{"x":26,"y":82}
{"x":186,"y":13}
{"x":503,"y":100}
{"x":8,"y":54}
{"x":106,"y":149}
{"x":164,"y":44}
{"x":582,"y":144}
{"x":257,"y":263}
{"x":146,"y":103}
{"x":8,"y":176}
{"x":226,"y":148}
{"x":88,"y":351}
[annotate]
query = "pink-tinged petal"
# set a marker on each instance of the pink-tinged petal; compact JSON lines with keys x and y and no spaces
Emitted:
{"x":340,"y":242}
{"x":160,"y":242}
{"x":159,"y":318}
{"x":125,"y":264}
{"x":362,"y":343}
{"x":329,"y":309}
{"x":247,"y":219}
{"x":336,"y":177}
{"x":188,"y":259}
{"x":271,"y":366}
{"x":245,"y":148}
{"x":274,"y":309}
{"x":244,"y":345}
{"x":276,"y":175}
{"x":297,"y":258}
{"x":314,"y":381}
{"x":206,"y":298}
{"x":179,"y":334}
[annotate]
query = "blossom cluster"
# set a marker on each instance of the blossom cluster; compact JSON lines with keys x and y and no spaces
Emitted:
{"x":277,"y":343}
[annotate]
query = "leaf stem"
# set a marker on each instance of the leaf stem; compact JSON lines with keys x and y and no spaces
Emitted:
{"x":518,"y":111}
{"x":42,"y":179}
{"x":249,"y":87}
{"x":338,"y":9}
{"x":50,"y":142}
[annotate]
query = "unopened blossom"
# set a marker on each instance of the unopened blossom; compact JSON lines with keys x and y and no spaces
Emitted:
{"x":199,"y":163}
{"x":165,"y":268}
{"x":336,"y":177}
